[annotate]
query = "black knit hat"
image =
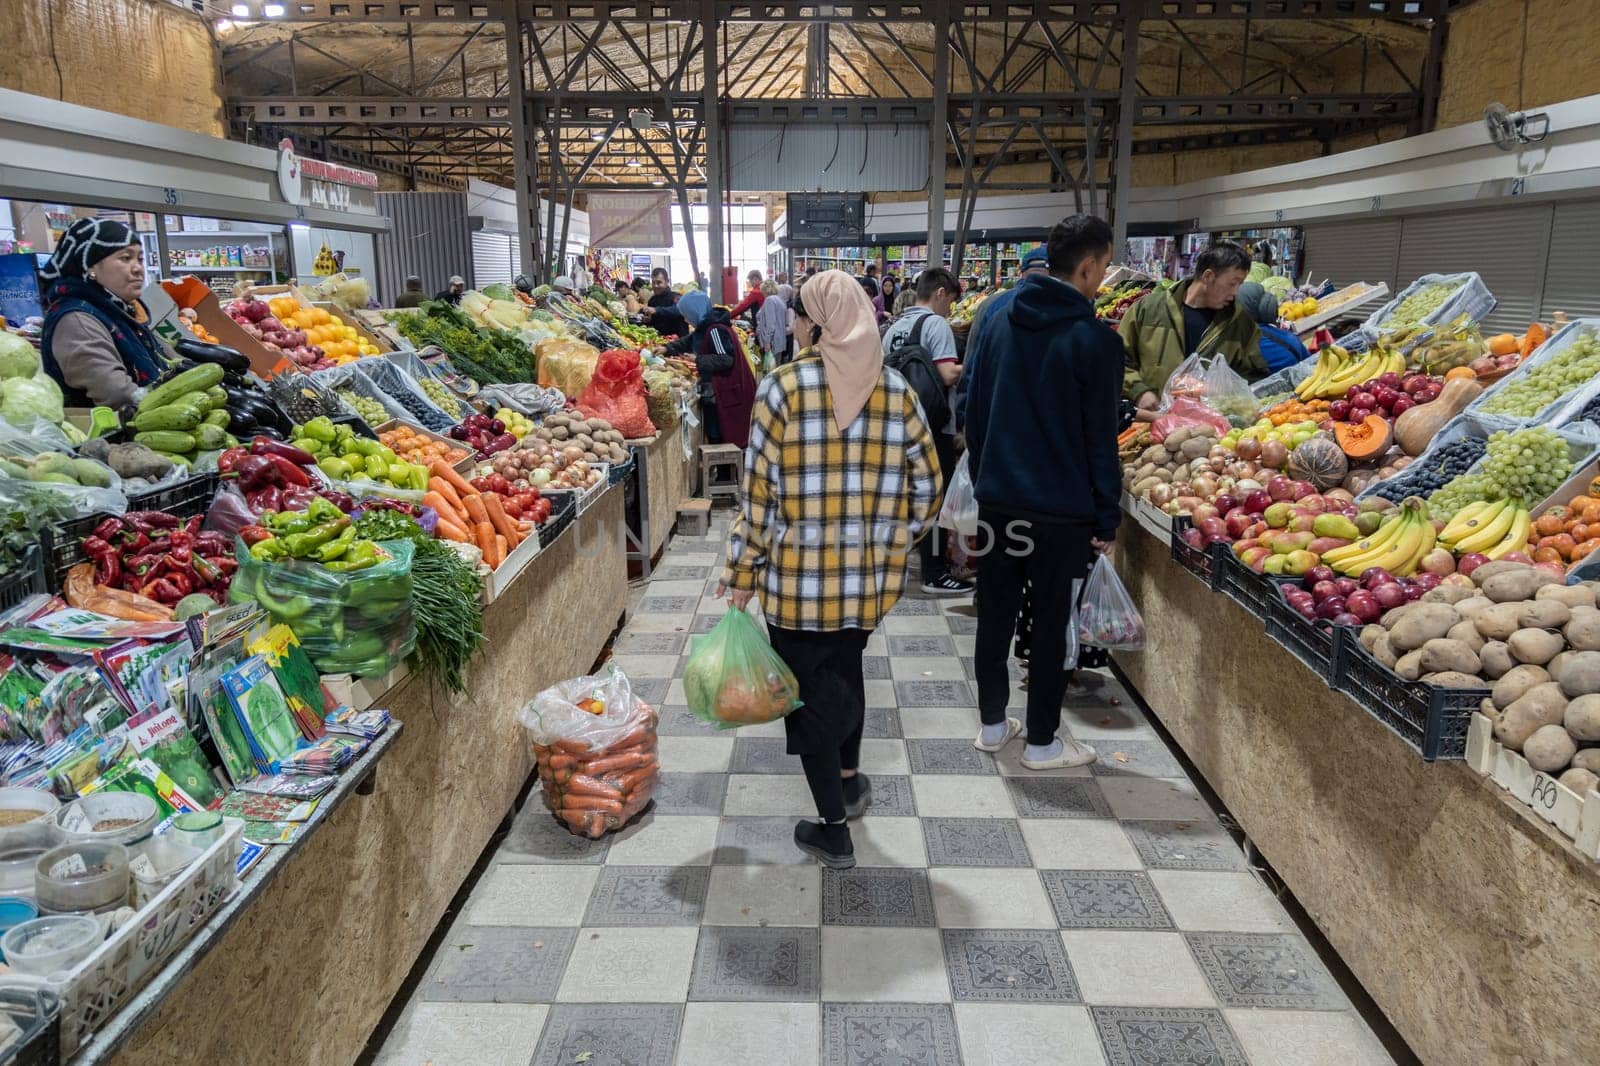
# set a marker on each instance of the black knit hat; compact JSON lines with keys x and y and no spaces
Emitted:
{"x":86,"y":242}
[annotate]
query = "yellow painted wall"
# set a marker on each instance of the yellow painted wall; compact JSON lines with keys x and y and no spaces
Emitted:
{"x":1523,"y":53}
{"x":145,"y":58}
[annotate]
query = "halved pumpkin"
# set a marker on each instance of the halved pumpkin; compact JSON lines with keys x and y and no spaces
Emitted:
{"x":1364,"y":440}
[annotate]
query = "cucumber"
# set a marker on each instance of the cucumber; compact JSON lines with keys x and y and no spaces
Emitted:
{"x":179,"y":416}
{"x":218,"y":397}
{"x":218,"y":418}
{"x":196,"y":378}
{"x":207,"y":438}
{"x":170,"y":442}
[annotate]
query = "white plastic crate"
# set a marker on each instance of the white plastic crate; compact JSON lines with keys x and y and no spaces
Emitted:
{"x":97,"y":987}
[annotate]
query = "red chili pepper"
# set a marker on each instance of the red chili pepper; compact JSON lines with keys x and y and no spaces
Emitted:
{"x":296,"y":498}
{"x":226,"y":563}
{"x":204,"y":569}
{"x":147,"y":521}
{"x":108,"y":529}
{"x":229,"y":459}
{"x":210,"y":542}
{"x":180,"y":538}
{"x":163,"y":591}
{"x":290,"y":473}
{"x":107,"y":561}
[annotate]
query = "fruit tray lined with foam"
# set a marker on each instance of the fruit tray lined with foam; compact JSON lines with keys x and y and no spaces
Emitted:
{"x":1557,"y":380}
{"x":1446,"y":457}
{"x":1466,"y":295}
{"x":1430,"y":718}
{"x":398,"y":386}
{"x":432,"y":384}
{"x":349,"y":379}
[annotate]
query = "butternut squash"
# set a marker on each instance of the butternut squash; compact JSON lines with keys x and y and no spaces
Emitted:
{"x":1414,"y":429}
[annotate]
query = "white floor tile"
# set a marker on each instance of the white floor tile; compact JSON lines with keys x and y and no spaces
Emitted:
{"x":889,"y":842}
{"x":864,"y":965}
{"x":935,"y":723}
{"x":1207,"y":900}
{"x":666,"y":840}
{"x":1306,"y":1038}
{"x":961,"y":796}
{"x":695,"y":755}
{"x":1155,"y":798}
{"x":1079,"y":844}
{"x":765,"y":729}
{"x":916,"y":625}
{"x":990,"y":899}
{"x":1027,"y":1034}
{"x":1122,"y":968}
{"x":772,"y":1034}
{"x":880,"y":756}
{"x":640,"y":622}
{"x":646,"y":665}
{"x":768,"y":794}
{"x":533,"y":895}
{"x":881,"y":694}
{"x":648,"y":965}
{"x":927,"y":669}
{"x":464,"y":1034}
{"x":765,"y":895}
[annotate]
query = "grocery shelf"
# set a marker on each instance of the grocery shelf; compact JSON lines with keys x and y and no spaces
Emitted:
{"x":222,"y":234}
{"x":220,"y":270}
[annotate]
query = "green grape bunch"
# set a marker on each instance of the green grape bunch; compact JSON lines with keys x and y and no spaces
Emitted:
{"x":1411,"y":311}
{"x":1524,"y":464}
{"x":1531,"y":391}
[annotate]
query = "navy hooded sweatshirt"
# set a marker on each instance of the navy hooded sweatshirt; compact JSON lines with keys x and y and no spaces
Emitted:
{"x":1041,"y":409}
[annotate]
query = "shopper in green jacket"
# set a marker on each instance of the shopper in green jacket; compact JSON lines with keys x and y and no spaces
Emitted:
{"x":1198,"y":315}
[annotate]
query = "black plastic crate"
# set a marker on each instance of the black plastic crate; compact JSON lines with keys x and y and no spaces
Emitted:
{"x":1310,"y":642}
{"x":180,"y":498}
{"x":26,"y":580}
{"x":620,"y":472}
{"x":1250,"y":590}
{"x":37,"y":1016}
{"x":563,"y":509}
{"x":1204,"y":563}
{"x":1428,"y":718}
{"x":185,"y":499}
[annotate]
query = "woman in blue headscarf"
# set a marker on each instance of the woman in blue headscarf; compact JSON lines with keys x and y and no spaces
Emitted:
{"x":727,"y":387}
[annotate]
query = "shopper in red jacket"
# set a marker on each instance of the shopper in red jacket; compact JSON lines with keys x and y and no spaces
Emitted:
{"x":752,"y":299}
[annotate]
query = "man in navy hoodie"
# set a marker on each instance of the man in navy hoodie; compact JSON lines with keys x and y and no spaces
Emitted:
{"x":1041,"y":417}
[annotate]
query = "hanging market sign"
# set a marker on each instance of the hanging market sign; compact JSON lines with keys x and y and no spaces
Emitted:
{"x":314,"y":183}
{"x":630,"y":220}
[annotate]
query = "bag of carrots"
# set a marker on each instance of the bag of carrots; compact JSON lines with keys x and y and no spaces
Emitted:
{"x":595,"y":744}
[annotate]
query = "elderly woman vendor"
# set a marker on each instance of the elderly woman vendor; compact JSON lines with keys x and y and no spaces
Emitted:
{"x":97,"y":341}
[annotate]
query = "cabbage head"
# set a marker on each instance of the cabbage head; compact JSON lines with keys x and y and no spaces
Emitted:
{"x":498,"y":291}
{"x":24,"y":399}
{"x":18,"y":359}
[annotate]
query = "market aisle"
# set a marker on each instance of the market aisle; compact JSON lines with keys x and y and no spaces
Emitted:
{"x":995,"y":919}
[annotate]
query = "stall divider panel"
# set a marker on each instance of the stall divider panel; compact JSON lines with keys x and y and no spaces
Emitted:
{"x":1572,"y":271}
{"x":428,"y":237}
{"x":1347,"y":252}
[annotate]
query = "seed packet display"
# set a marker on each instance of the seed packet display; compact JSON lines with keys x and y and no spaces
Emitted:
{"x":308,"y":701}
{"x":162,"y":737}
{"x":293,"y":786}
{"x":263,"y":713}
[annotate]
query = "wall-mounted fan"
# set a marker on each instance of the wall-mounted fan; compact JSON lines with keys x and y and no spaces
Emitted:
{"x":1510,"y":130}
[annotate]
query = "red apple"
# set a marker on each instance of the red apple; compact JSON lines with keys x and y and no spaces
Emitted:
{"x":1346,"y":619}
{"x":1364,"y":605}
{"x":1323,"y":590}
{"x":1225,"y":503}
{"x":1413,"y":593}
{"x":1439,"y":561}
{"x":1319,"y":573}
{"x":1331,"y":606}
{"x":1360,"y":414}
{"x":1304,"y":490}
{"x":1364,"y":399}
{"x":1339,"y":410}
{"x":1237,"y":522}
{"x":1401,"y":405}
{"x":1280,"y":488}
{"x":1212,"y":527}
{"x":1388,"y":595}
{"x":1470,"y":562}
{"x":1375,"y":575}
{"x":1555,"y":568}
{"x":1193,"y":537}
{"x":1515,"y":557}
{"x":1258,"y":501}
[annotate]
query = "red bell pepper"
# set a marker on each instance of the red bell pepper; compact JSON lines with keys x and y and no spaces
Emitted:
{"x":288,"y":473}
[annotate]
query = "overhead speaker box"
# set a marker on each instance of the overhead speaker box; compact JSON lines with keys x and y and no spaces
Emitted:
{"x":825,"y":218}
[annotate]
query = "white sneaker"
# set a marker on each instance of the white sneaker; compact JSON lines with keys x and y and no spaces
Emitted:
{"x":1013,"y":727}
{"x":1073,"y":753}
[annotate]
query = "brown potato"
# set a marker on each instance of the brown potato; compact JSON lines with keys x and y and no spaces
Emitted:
{"x":1498,"y":622}
{"x":1383,"y":651}
{"x":1582,"y":718}
{"x":1583,"y":632}
{"x":1421,"y":624}
{"x":1409,"y":665}
{"x":1443,"y":655}
{"x":1516,"y":683}
{"x":1471,"y":607}
{"x":1579,"y":674}
{"x":1571,"y":595}
{"x":1587,"y":759}
{"x":1549,"y":750}
{"x":1544,"y":614}
{"x":1453,"y":679}
{"x":1536,"y":646}
{"x":1370,"y":635}
{"x":1540,"y":706}
{"x":1580,"y":780}
{"x":1467,"y":633}
{"x":1513,"y":586}
{"x":1495,"y":658}
{"x":1448,"y":594}
{"x":1492,"y":569}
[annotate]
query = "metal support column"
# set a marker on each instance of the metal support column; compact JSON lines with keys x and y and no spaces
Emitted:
{"x":716,"y":150}
{"x":937,"y":135}
{"x":1127,"y":102}
{"x":1432,"y":73}
{"x":522,"y":149}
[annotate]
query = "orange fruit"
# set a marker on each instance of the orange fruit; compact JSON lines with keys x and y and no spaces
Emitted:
{"x":1461,"y":373}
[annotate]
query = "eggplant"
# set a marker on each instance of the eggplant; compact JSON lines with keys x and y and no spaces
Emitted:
{"x":223,"y":356}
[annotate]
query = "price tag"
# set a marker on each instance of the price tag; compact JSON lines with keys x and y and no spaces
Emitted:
{"x":141,"y":865}
{"x":71,"y":866}
{"x":75,"y":821}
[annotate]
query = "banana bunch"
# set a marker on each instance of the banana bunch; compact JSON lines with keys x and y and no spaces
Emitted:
{"x":1488,"y":527}
{"x":1398,"y":545}
{"x":1337,"y":370}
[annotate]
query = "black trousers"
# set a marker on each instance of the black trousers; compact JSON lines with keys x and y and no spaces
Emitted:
{"x":826,"y":731}
{"x":1047,"y":558}
{"x":932,"y":546}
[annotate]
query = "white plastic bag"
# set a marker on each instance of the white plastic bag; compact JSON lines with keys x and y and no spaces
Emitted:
{"x":566,"y":710}
{"x":960,"y":510}
{"x":1107,"y":617}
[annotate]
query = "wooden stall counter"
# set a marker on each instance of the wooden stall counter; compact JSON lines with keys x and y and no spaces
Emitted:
{"x":669,"y":478}
{"x":1469,"y":922}
{"x":306,"y":972}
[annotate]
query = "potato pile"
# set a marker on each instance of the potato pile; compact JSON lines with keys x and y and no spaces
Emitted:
{"x":1188,"y":462}
{"x":1529,"y":639}
{"x":600,"y":443}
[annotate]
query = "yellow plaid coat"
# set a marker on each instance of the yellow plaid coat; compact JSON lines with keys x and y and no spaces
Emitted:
{"x":828,"y":517}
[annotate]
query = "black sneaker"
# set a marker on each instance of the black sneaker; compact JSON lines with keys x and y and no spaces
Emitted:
{"x":828,"y":844}
{"x":855,"y":808}
{"x":947,"y":585}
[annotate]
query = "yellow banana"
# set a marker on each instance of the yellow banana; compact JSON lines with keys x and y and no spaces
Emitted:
{"x":1516,"y":539}
{"x":1409,"y":539}
{"x":1376,"y":544}
{"x":1488,"y":532}
{"x":1363,"y":369}
{"x":1458,"y":526}
{"x":1326,"y":361}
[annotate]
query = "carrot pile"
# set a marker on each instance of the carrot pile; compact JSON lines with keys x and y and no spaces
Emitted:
{"x":592,"y":792}
{"x":469,"y":516}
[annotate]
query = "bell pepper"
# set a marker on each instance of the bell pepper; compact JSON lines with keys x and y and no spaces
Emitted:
{"x":109,"y":528}
{"x":289,"y":610}
{"x":229,"y":459}
{"x":268,"y":499}
{"x":256,"y":472}
{"x":269,"y":550}
{"x":362,"y":446}
{"x":107,"y":561}
{"x":320,"y":428}
{"x":296,"y":498}
{"x":362,"y":554}
{"x":285,"y":522}
{"x":150,"y":521}
{"x":338,"y":546}
{"x":262,"y":445}
{"x":321,"y":510}
{"x":287,"y":472}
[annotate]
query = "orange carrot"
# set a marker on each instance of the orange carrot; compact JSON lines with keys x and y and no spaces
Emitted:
{"x":446,"y":490}
{"x":501,"y":547}
{"x":441,"y":504}
{"x":440,"y":468}
{"x":475,"y":509}
{"x":497,"y":518}
{"x":484,"y":533}
{"x":450,"y":531}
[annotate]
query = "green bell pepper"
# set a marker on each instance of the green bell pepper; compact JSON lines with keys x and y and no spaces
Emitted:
{"x":301,"y":545}
{"x":360,"y":556}
{"x":282,"y":523}
{"x":362,"y":446}
{"x":267,"y":551}
{"x":320,"y":428}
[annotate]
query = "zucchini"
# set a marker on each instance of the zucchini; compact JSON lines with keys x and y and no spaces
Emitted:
{"x":218,"y":396}
{"x":218,"y":417}
{"x":179,"y":416}
{"x":207,"y":438}
{"x":169,"y":442}
{"x":196,"y":378}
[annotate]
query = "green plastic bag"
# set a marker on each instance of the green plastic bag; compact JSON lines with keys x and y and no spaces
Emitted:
{"x":734,"y":677}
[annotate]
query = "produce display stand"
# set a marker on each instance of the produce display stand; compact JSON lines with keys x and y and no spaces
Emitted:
{"x":669,"y":477}
{"x":322,"y":950}
{"x":1465,"y":916}
{"x":1310,"y":323}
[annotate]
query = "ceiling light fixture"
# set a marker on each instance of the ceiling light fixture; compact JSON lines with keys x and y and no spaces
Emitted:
{"x":241,"y":11}
{"x":635,"y":163}
{"x":597,"y":136}
{"x":273,"y":11}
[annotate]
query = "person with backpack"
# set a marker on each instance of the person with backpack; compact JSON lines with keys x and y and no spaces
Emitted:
{"x":922,"y":347}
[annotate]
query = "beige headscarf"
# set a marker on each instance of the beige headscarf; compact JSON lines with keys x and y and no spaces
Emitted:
{"x":852,"y":353}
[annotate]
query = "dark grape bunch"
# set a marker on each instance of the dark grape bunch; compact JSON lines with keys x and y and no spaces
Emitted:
{"x":1590,"y":412}
{"x":1431,"y":473}
{"x":387,"y":378}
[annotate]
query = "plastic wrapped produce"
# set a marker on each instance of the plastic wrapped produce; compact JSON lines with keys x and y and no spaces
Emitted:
{"x":734,"y":677}
{"x":1107,"y":617}
{"x":595,"y":745}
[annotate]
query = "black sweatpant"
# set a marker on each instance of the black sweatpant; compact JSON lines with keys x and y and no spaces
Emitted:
{"x":1048,"y":557}
{"x":825,"y":731}
{"x":932,"y":546}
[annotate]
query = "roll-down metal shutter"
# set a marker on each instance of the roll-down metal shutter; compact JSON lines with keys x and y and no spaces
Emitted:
{"x":491,"y":258}
{"x":1572,"y":273}
{"x":1347,"y":252}
{"x":1506,"y":246}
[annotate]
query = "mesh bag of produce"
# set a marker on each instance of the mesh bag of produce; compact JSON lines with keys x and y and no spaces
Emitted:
{"x":734,"y":677}
{"x":1107,"y":617}
{"x":349,"y":623}
{"x":616,"y":393}
{"x":595,"y":745}
{"x":660,"y":399}
{"x":566,"y":365}
{"x":1187,"y":411}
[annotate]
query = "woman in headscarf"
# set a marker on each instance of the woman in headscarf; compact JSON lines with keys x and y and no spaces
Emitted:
{"x":97,"y":341}
{"x":1279,"y":347}
{"x":841,"y":477}
{"x":772,"y":325}
{"x":727,"y":385}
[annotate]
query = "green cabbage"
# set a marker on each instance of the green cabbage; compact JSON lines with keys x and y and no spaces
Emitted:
{"x":1259,"y":272}
{"x":24,"y":399}
{"x":498,"y":292}
{"x":18,"y":359}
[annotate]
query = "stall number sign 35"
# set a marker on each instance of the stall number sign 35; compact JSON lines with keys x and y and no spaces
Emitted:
{"x":169,"y":196}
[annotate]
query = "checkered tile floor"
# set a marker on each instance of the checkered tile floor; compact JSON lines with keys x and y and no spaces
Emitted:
{"x":997,"y":917}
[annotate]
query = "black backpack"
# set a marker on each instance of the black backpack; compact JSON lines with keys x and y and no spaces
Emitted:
{"x":911,"y":359}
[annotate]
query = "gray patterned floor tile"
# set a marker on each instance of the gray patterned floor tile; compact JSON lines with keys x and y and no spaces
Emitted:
{"x":934,"y":694}
{"x":1146,"y":758}
{"x":1057,"y":797}
{"x":910,"y":605}
{"x":1105,"y":899}
{"x":650,"y":644}
{"x":1166,"y":1036}
{"x":921,"y":646}
{"x":502,"y":964}
{"x":1274,"y":970}
{"x":681,"y":722}
{"x":876,"y":896}
{"x":680,"y":572}
{"x":763,"y":755}
{"x":875,"y":668}
{"x":962,"y":625}
{"x":948,"y":757}
{"x":653,"y":690}
{"x":883,"y":723}
{"x":649,"y":895}
{"x":1008,"y":966}
{"x":758,"y":841}
{"x":690,"y":793}
{"x":734,"y":963}
{"x":610,"y":1034}
{"x":704,"y":623}
{"x":1014,"y":670}
{"x":889,"y":1034}
{"x":667,"y":604}
{"x":891,"y":796}
{"x":536,"y":836}
{"x":1184,"y":845}
{"x":975,"y":842}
